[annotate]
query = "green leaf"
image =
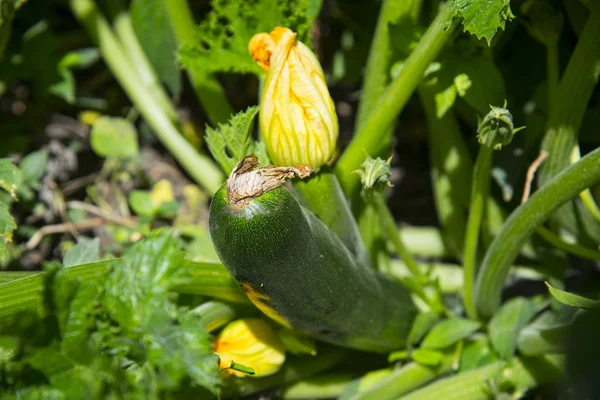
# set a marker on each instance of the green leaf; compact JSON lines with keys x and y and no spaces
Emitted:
{"x":483,"y":18}
{"x":399,"y":355}
{"x":33,"y":167}
{"x":10,"y":177}
{"x":136,"y":297}
{"x":232,"y":141}
{"x":84,"y":252}
{"x":477,"y":352}
{"x":431,"y":358}
{"x":114,"y":137}
{"x":544,"y":335}
{"x":297,"y":343}
{"x":153,"y":30}
{"x":466,"y":72}
{"x":149,"y":265}
{"x":179,"y":347}
{"x":224,"y":35}
{"x":506,"y":325}
{"x":7,"y":226}
{"x":448,"y":332}
{"x":8,"y":9}
{"x":83,"y":58}
{"x":422,"y":324}
{"x":141,"y":203}
{"x":571,"y":299}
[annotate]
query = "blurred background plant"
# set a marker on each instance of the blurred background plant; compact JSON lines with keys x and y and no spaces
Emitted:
{"x":119,"y":120}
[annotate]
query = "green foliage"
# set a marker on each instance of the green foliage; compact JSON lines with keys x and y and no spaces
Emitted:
{"x":153,"y":30}
{"x":505,"y":326}
{"x":77,"y":59}
{"x":232,"y":141}
{"x":224,"y":35}
{"x":114,"y":137}
{"x":483,"y":18}
{"x":116,"y":334}
{"x":448,"y":332}
{"x":8,"y":9}
{"x":84,"y":252}
{"x":571,"y":299}
{"x":11,"y":179}
{"x":138,"y":326}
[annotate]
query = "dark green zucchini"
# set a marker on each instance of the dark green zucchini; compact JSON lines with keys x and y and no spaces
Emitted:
{"x":297,"y":271}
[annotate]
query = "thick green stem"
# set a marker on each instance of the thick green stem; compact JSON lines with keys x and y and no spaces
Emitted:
{"x":586,"y":196}
{"x":323,"y":195}
{"x":520,"y":374}
{"x":138,"y":59}
{"x":389,"y":225}
{"x":404,"y":380}
{"x":369,"y":139}
{"x":572,"y":248}
{"x":214,"y":314}
{"x":199,"y":166}
{"x":523,"y":222}
{"x":452,"y":169}
{"x":294,"y":369}
{"x":327,"y":386}
{"x":209,"y":91}
{"x":479,"y":193}
{"x":419,"y":282}
{"x":568,"y":109}
{"x":553,"y":75}
{"x":377,"y":71}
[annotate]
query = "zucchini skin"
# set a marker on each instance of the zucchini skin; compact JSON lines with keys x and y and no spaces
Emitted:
{"x":299,"y":273}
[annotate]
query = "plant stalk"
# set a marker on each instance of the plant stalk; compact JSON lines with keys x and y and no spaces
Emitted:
{"x":521,"y":374}
{"x":370,"y":138}
{"x":523,"y":222}
{"x":137,"y":58}
{"x":377,"y":71}
{"x":199,"y":166}
{"x":479,"y":194}
{"x":420,"y":280}
{"x":207,"y":88}
{"x":567,"y":111}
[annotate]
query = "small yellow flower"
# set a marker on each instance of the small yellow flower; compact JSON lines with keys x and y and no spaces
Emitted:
{"x":297,"y":115}
{"x":253,"y":343}
{"x":162,"y":192}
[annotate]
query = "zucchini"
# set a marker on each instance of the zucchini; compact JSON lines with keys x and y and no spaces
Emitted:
{"x":297,"y":271}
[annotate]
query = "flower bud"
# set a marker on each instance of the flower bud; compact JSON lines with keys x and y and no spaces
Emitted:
{"x":297,"y":115}
{"x":253,"y":343}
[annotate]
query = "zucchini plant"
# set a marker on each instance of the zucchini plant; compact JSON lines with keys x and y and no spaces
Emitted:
{"x":296,"y":270}
{"x":356,"y":242}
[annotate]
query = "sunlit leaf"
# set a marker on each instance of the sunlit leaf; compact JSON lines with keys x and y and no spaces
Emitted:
{"x":448,"y":332}
{"x":571,"y":299}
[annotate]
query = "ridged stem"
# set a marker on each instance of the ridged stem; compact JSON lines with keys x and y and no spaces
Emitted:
{"x":568,"y":108}
{"x":207,"y":88}
{"x":199,"y":166}
{"x":479,"y":193}
{"x":370,"y":138}
{"x":523,"y":222}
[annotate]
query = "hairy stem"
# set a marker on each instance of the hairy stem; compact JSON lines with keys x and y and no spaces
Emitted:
{"x":567,"y":111}
{"x":523,"y":222}
{"x":378,"y":64}
{"x":199,"y":166}
{"x":479,"y":194}
{"x":370,"y":137}
{"x":207,"y":88}
{"x":138,"y":59}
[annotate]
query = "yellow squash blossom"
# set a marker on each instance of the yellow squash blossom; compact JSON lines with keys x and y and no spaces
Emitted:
{"x":253,"y":343}
{"x":297,"y":115}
